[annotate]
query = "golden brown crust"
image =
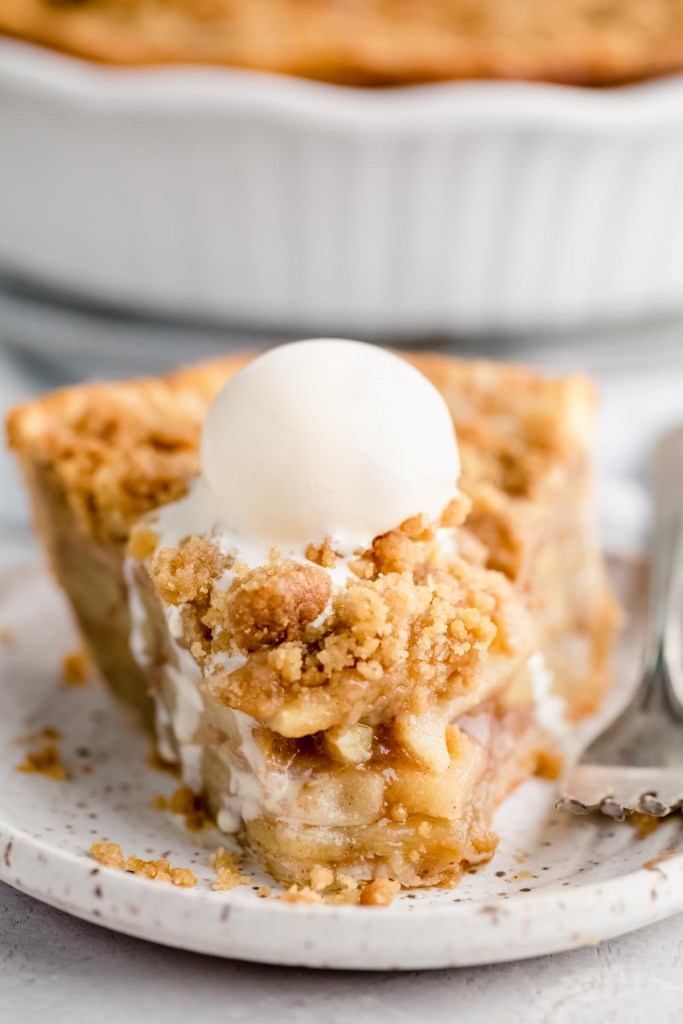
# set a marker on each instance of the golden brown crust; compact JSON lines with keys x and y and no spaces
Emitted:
{"x":120,"y":450}
{"x":96,"y":457}
{"x":271,"y":604}
{"x":370,"y":42}
{"x":110,"y":856}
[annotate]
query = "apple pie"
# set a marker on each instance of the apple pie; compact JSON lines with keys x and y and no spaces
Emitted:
{"x":370,"y":42}
{"x":358,"y":709}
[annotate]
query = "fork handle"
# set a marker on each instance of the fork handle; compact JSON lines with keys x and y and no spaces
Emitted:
{"x":664,"y":645}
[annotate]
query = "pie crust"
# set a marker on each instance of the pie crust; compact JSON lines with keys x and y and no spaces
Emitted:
{"x":371,"y":42}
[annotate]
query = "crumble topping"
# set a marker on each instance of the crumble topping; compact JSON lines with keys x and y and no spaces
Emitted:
{"x":188,"y":573}
{"x":188,"y":805}
{"x":341,"y":890}
{"x":111,"y":856}
{"x":74,"y":668}
{"x":371,"y":43}
{"x":269,"y":605}
{"x":228,"y":875}
{"x":192,"y":808}
{"x":143,"y":542}
{"x":118,"y":451}
{"x":322,"y":878}
{"x":300,"y":894}
{"x":322,"y":554}
{"x":46,"y":761}
{"x":410,"y":626}
{"x":379,"y":893}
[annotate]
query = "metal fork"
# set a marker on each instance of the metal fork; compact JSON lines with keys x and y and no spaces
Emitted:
{"x":636,"y":764}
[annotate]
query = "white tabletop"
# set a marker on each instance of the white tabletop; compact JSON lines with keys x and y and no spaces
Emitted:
{"x":54,"y":967}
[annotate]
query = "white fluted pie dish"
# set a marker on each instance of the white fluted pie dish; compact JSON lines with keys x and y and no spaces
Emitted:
{"x":268,"y":201}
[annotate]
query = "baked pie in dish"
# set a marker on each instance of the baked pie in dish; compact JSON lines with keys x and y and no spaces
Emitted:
{"x":591,"y":42}
{"x":353,"y":632}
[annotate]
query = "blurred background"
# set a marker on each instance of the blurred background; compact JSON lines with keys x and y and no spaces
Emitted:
{"x":500,"y":179}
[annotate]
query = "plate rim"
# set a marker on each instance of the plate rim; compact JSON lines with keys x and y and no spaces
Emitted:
{"x":651,"y":893}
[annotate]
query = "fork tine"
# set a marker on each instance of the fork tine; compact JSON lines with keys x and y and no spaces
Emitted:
{"x":636,"y":764}
{"x":619,"y":791}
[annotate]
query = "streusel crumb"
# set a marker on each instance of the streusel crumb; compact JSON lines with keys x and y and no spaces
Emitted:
{"x":343,"y":891}
{"x":411,"y":626}
{"x":192,"y":807}
{"x":301,"y":894}
{"x":368,"y":44}
{"x":143,"y":542}
{"x":46,"y":761}
{"x":269,"y":605}
{"x":228,"y":875}
{"x":379,"y":893}
{"x":111,"y":856}
{"x":187,"y":573}
{"x":322,"y":878}
{"x":74,"y":668}
{"x":322,"y":554}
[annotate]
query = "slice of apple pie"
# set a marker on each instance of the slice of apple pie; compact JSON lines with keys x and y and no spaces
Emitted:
{"x":353,"y":632}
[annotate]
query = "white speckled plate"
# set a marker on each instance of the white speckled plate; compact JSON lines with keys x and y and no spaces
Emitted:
{"x":556,"y":882}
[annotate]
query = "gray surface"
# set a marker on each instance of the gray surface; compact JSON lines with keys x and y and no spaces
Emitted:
{"x":55,"y":968}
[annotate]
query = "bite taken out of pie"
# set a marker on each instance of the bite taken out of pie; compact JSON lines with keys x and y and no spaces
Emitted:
{"x":353,"y":627}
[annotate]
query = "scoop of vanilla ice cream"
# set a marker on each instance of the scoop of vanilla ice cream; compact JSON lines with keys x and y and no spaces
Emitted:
{"x":327,"y":438}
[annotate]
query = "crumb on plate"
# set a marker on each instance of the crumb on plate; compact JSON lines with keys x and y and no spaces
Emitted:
{"x":341,"y":889}
{"x":46,"y":761}
{"x":228,"y":875}
{"x":111,"y":856}
{"x":379,"y":893}
{"x":74,"y":668}
{"x":191,"y":807}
